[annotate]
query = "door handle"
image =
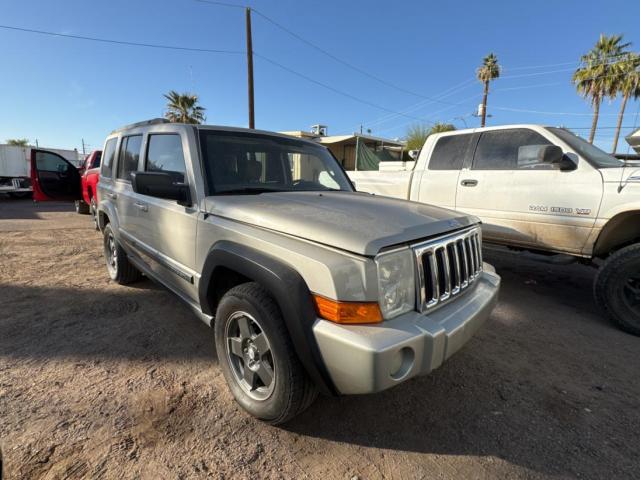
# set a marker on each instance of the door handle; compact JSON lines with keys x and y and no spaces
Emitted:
{"x":469,"y":183}
{"x":142,"y":206}
{"x":112,"y":196}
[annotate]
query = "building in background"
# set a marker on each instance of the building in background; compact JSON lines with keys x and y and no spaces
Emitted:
{"x":356,"y":151}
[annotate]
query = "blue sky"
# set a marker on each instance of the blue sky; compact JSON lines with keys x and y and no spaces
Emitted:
{"x":61,"y":90}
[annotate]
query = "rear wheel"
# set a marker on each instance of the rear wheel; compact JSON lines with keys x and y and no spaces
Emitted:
{"x":257,"y":356}
{"x":617,"y":288}
{"x":94,"y":213}
{"x":118,"y":265}
{"x":81,"y":207}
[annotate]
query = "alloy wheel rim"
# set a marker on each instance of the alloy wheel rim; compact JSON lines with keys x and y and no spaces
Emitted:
{"x":249,"y":354}
{"x":112,"y":253}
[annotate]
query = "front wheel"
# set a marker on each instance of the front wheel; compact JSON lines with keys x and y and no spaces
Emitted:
{"x":257,"y":356}
{"x":617,"y":288}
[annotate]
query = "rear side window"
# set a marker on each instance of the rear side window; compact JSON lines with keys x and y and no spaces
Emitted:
{"x":498,"y":149}
{"x":109,"y":153}
{"x":129,"y":156}
{"x":164,"y":154}
{"x":449,"y":152}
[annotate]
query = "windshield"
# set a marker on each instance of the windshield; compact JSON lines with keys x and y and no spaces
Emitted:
{"x":250,"y":163}
{"x":593,"y":155}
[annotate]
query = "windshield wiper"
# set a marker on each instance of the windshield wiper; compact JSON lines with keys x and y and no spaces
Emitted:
{"x":248,"y":191}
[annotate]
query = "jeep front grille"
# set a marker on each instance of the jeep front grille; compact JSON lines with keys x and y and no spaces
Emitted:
{"x":447,"y":266}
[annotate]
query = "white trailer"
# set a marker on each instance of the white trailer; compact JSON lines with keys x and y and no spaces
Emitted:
{"x":15,"y":167}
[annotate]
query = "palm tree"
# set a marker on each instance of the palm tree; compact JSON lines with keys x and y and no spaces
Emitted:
{"x":489,"y":70}
{"x":627,"y":83}
{"x":595,"y":77}
{"x":183,"y":108}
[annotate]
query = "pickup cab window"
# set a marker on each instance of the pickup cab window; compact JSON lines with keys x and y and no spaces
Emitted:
{"x":499,"y":149}
{"x":237,"y":163}
{"x":449,"y":152}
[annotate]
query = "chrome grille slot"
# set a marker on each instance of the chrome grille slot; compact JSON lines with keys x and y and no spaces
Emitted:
{"x":447,"y":266}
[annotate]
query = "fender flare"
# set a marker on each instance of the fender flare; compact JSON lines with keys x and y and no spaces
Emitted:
{"x":107,"y":209}
{"x":289,"y":290}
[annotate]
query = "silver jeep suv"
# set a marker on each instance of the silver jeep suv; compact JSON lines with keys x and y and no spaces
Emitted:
{"x":309,"y":285}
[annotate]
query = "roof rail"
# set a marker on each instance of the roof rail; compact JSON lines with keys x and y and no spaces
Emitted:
{"x":153,"y":121}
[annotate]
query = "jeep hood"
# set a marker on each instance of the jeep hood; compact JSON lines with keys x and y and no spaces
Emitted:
{"x":356,"y":222}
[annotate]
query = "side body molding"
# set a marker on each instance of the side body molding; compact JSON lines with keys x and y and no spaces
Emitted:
{"x":289,"y":290}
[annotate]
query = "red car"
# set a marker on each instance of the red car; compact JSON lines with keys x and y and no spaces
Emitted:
{"x":89,"y":174}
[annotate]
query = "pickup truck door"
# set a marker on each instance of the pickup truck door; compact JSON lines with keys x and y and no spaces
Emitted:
{"x":53,"y":177}
{"x":536,"y":206}
{"x":438,"y":184}
{"x":166,"y":231}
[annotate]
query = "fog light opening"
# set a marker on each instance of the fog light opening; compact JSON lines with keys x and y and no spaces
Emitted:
{"x":401,"y":363}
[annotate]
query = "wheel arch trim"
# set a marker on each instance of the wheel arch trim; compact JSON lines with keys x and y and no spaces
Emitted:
{"x":289,"y":290}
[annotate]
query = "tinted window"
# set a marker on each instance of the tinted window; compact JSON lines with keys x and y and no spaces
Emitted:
{"x":449,"y":152}
{"x":498,"y":149}
{"x":129,"y":156}
{"x":109,"y":153}
{"x":164,"y":154}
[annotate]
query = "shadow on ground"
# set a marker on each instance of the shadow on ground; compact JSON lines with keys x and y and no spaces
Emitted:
{"x":27,"y":209}
{"x":126,"y":323}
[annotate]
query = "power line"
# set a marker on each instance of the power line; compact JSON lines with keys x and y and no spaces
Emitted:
{"x":120,"y":42}
{"x":338,"y":59}
{"x":329,"y":87}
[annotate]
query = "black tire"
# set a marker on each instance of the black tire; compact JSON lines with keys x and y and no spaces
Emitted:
{"x":81,"y":207}
{"x":118,"y":265}
{"x":617,"y":288}
{"x":20,"y":195}
{"x":291,"y":390}
{"x":93,"y":208}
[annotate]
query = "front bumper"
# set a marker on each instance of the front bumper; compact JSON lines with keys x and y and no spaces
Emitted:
{"x":371,"y":358}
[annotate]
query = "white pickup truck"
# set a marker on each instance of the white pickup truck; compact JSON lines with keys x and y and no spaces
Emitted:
{"x":536,"y":188}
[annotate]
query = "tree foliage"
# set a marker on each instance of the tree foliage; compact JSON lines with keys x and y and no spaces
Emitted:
{"x":626,"y":82}
{"x":18,"y":142}
{"x":184,"y":108}
{"x":417,"y":134}
{"x":596,"y":76}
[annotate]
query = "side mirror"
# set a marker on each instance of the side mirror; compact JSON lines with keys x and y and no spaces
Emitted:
{"x":530,"y":156}
{"x":161,"y":185}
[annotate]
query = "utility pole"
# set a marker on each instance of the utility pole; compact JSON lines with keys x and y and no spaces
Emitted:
{"x":83,"y":152}
{"x":250,"y":68}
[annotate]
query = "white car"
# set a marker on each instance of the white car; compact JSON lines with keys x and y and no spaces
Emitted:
{"x":537,"y":188}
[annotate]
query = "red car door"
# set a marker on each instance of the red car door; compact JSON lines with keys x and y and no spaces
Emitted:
{"x":53,"y":177}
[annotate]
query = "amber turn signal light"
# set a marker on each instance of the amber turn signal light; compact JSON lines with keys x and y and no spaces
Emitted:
{"x":348,"y":312}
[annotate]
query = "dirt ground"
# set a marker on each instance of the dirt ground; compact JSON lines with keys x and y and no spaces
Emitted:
{"x":103,"y":381}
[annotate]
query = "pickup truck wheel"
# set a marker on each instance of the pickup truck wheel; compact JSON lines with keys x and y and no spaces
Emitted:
{"x":257,"y":356}
{"x":81,"y":207}
{"x":94,"y":213}
{"x":118,"y":265}
{"x":617,"y":288}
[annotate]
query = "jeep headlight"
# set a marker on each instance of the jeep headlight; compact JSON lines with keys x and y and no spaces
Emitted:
{"x":396,"y":282}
